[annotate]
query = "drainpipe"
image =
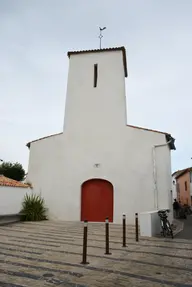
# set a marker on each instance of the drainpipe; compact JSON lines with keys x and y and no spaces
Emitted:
{"x":155,"y":173}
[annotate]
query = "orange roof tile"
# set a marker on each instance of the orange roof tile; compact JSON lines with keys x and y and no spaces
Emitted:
{"x":177,"y":172}
{"x":5,"y":181}
{"x":183,"y":171}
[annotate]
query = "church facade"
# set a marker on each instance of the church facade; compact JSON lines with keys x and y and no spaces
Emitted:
{"x":99,"y":166}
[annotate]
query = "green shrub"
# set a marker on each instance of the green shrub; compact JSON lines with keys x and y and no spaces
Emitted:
{"x":33,"y":208}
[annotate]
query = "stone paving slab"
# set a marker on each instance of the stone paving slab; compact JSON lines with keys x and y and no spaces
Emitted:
{"x":186,"y":233}
{"x":49,"y":254}
{"x":64,"y":236}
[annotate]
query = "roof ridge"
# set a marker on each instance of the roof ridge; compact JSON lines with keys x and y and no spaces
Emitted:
{"x":6,"y":181}
{"x":98,"y":49}
{"x":182,"y":171}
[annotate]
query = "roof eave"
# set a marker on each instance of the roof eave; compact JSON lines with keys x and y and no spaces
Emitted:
{"x":122,"y":49}
{"x":189,"y":169}
{"x":29,"y":143}
{"x":180,"y":174}
{"x":171,"y":141}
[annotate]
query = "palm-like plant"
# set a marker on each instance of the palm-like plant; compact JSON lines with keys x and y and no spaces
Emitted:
{"x":33,"y":208}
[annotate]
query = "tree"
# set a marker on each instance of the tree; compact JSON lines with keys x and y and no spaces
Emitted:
{"x":12,"y":170}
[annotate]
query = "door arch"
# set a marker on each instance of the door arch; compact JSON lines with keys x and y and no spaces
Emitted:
{"x":96,"y":200}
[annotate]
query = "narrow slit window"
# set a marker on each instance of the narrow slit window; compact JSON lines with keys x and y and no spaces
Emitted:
{"x":185,"y":186}
{"x":95,"y":75}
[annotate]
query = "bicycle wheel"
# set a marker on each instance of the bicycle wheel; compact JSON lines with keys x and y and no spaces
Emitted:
{"x":164,"y":232}
{"x":169,"y":229}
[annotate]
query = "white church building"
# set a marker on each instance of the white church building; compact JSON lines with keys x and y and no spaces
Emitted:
{"x":99,"y":166}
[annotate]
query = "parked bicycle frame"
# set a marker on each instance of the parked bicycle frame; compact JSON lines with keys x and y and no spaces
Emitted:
{"x":165,"y":224}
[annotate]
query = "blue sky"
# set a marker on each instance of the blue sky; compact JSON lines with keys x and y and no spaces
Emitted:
{"x":35,"y":37}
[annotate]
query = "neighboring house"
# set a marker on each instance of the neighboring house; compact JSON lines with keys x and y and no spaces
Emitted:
{"x":174,"y":189}
{"x":184,"y":185}
{"x":174,"y":183}
{"x":99,"y":166}
{"x":12,"y":193}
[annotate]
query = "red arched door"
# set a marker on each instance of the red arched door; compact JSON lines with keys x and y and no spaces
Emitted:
{"x":97,"y":200}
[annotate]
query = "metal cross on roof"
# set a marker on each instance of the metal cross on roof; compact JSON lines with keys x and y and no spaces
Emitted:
{"x":100,"y":35}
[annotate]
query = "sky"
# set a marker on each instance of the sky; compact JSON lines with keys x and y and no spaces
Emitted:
{"x":35,"y":37}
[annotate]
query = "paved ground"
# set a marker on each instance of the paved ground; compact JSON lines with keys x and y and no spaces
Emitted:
{"x":49,"y":254}
{"x":187,"y":231}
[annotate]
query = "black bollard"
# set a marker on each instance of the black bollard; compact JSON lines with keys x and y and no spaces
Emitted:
{"x":136,"y":227}
{"x":107,"y":236}
{"x":84,"y":261}
{"x":124,"y":230}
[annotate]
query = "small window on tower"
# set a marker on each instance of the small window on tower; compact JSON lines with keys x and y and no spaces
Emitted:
{"x":95,"y":75}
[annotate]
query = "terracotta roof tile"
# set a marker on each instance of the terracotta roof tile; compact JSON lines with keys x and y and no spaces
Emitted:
{"x":104,"y":50}
{"x":183,"y":171}
{"x":177,"y":172}
{"x":5,"y":181}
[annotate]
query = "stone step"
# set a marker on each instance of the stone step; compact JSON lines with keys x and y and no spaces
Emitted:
{"x":6,"y":219}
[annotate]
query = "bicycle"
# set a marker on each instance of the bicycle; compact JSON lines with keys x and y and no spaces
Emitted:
{"x":187,"y":209}
{"x":165,"y":224}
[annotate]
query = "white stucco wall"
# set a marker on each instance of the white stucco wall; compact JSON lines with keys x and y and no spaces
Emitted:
{"x":11,"y":199}
{"x":45,"y":172}
{"x":95,"y":131}
{"x":150,"y":224}
{"x":58,"y":167}
{"x":88,"y":108}
{"x":174,"y":188}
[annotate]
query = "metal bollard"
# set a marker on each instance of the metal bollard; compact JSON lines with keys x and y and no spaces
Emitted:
{"x":84,"y":259}
{"x":107,"y":236}
{"x":136,"y":227}
{"x":124,"y":230}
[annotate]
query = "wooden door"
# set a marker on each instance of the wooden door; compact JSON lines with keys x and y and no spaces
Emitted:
{"x":97,"y":200}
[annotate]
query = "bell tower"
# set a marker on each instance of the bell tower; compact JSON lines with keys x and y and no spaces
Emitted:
{"x":95,"y":99}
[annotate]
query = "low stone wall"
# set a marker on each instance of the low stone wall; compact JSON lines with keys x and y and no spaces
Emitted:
{"x":149,"y":223}
{"x":11,"y":199}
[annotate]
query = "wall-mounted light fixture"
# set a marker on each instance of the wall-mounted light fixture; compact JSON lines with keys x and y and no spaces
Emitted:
{"x":97,"y":165}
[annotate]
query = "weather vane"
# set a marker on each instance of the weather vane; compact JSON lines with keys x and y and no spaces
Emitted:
{"x":100,"y":35}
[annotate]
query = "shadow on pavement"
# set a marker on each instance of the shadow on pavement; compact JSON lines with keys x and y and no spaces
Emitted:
{"x":186,"y":233}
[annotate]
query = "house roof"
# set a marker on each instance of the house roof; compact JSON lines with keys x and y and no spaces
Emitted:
{"x":167,"y":135}
{"x":182,"y":172}
{"x":5,"y":181}
{"x":177,"y":172}
{"x":104,"y":50}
